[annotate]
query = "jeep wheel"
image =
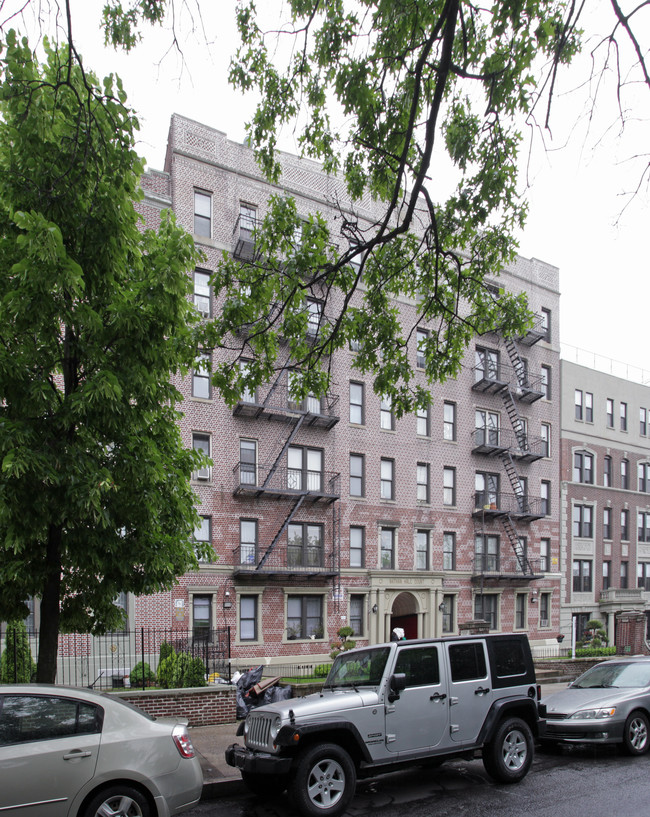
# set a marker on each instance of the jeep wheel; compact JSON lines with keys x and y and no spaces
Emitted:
{"x":324,"y":781}
{"x":265,"y":785}
{"x":508,"y":756}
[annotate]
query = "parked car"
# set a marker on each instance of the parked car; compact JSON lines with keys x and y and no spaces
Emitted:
{"x":609,"y":703}
{"x":79,"y":753}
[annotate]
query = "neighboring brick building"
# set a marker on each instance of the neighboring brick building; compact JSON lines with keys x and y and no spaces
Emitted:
{"x":605,"y":488}
{"x":334,"y":512}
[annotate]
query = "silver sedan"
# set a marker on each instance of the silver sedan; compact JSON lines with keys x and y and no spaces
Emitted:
{"x":78,"y":753}
{"x":609,"y":703}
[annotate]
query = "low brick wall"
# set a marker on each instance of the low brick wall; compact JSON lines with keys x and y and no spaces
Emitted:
{"x":202,"y":706}
{"x":570,"y":667}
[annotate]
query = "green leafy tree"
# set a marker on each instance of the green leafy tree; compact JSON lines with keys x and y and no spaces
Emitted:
{"x":16,"y":663}
{"x":95,"y":319}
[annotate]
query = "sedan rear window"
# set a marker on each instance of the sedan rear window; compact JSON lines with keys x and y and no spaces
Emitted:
{"x":27,"y":718}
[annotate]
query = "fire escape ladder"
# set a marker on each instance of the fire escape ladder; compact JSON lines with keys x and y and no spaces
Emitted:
{"x":273,"y":388}
{"x":515,"y":419}
{"x":294,"y":510}
{"x":517,"y":362}
{"x":520,"y":553}
{"x":285,"y":447}
{"x":513,"y":476}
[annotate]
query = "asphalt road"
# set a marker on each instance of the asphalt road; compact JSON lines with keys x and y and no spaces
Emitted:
{"x":575,"y":782}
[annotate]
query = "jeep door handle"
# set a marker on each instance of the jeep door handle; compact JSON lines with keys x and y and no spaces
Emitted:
{"x":481,"y":691}
{"x":437,"y":697}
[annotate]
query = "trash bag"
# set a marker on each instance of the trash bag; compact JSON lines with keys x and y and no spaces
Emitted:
{"x":245,"y":698}
{"x":276,"y":693}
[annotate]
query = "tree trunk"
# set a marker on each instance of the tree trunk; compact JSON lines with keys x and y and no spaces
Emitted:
{"x":48,"y":641}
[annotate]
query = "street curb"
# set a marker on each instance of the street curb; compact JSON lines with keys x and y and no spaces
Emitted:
{"x":214,"y":789}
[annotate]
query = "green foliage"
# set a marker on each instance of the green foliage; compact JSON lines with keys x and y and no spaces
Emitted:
{"x":16,"y":663}
{"x":142,"y":675}
{"x":166,"y":650}
{"x":321,"y":670}
{"x":95,"y":322}
{"x":592,"y":652}
{"x":180,"y":670}
{"x":345,"y":643}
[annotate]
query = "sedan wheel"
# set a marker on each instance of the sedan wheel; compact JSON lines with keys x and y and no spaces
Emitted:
{"x":635,"y":736}
{"x":118,"y":801}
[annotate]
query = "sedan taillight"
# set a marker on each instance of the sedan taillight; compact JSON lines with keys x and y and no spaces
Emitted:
{"x":183,"y":741}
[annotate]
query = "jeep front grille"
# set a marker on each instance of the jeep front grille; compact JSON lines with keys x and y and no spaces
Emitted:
{"x":259,"y":731}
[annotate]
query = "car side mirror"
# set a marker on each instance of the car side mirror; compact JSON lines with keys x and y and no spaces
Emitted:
{"x":397,"y":684}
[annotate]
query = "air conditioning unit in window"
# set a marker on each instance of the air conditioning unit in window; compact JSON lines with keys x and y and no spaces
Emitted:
{"x":202,"y":473}
{"x":543,"y":622}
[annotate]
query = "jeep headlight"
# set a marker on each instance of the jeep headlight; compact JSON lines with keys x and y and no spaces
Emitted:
{"x":275,"y":727}
{"x":594,"y":714}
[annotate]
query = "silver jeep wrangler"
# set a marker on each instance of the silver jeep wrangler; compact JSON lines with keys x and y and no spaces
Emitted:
{"x":391,"y":705}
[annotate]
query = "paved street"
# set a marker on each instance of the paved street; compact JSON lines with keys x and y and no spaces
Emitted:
{"x":572,"y":783}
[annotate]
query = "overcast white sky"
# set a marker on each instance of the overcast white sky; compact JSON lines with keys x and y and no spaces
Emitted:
{"x":575,"y":219}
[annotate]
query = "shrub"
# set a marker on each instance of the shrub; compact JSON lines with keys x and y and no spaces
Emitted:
{"x":345,"y":642}
{"x":594,"y":652}
{"x":166,"y":650}
{"x":166,"y":671}
{"x":321,"y":670}
{"x":178,"y":671}
{"x":16,"y":663}
{"x":142,"y":675}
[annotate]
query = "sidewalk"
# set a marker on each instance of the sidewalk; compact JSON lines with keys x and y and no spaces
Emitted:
{"x":221,"y":780}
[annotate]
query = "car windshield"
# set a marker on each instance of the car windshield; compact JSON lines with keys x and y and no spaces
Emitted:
{"x":620,"y":674}
{"x":360,"y":668}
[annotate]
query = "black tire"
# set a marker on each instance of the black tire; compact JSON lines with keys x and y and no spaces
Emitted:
{"x":121,"y":800}
{"x":636,"y":735}
{"x":265,"y":785}
{"x":508,"y":756}
{"x":324,"y":781}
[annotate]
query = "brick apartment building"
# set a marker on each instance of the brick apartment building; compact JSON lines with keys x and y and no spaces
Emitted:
{"x":333,"y":511}
{"x":605,"y":490}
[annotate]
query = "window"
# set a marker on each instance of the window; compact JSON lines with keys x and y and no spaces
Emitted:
{"x":487,"y":427}
{"x":487,"y":490}
{"x":589,"y":407}
{"x":357,"y":475}
{"x":357,"y":403}
{"x":248,"y":394}
{"x":581,"y":576}
{"x":420,"y":665}
{"x":247,"y":217}
{"x":607,"y":569}
{"x":545,"y":324}
{"x":449,"y":421}
{"x":421,"y":337}
{"x":387,"y":479}
{"x":29,"y":718}
{"x":623,"y":416}
{"x":643,"y":470}
{"x":544,"y":610}
{"x":545,"y":555}
{"x":546,"y":497}
{"x":583,"y":467}
{"x":357,"y":547}
{"x":305,"y":545}
{"x":486,"y":552}
{"x":314,"y":315}
{"x":449,"y":486}
{"x":487,"y":364}
{"x":422,"y":421}
{"x":643,"y":422}
{"x":248,"y":618}
{"x":546,"y":440}
{"x":357,"y":616}
{"x":546,"y":382}
{"x":448,"y":613}
{"x":248,"y":541}
{"x":248,"y":462}
{"x":485,"y":609}
{"x":202,"y":213}
{"x":387,"y":546}
{"x":625,"y":474}
{"x":422,"y":550}
{"x":203,"y":534}
{"x":305,"y":468}
{"x":578,"y":405}
{"x":625,"y":525}
{"x":422,"y":482}
{"x":201,"y":442}
{"x":386,"y":416}
{"x":624,"y":576}
{"x":201,"y":617}
{"x":201,"y":377}
{"x":609,"y":412}
{"x":467,"y":661}
{"x":607,"y":472}
{"x":643,"y":575}
{"x":643,"y":526}
{"x":202,"y":292}
{"x":520,"y":611}
{"x":449,"y":551}
{"x":305,"y":617}
{"x":607,"y":523}
{"x":310,"y":403}
{"x":583,"y":521}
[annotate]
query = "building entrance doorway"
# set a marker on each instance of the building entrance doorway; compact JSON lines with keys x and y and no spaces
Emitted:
{"x":404,"y":615}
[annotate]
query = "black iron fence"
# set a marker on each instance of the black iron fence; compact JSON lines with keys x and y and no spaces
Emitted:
{"x":129,"y":658}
